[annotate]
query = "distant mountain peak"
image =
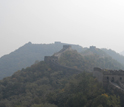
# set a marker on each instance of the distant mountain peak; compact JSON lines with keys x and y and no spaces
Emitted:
{"x":29,"y":43}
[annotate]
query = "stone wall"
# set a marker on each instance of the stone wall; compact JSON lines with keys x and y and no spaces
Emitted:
{"x":65,"y":48}
{"x":51,"y":59}
{"x":98,"y":74}
{"x":118,"y":89}
{"x":121,"y":85}
{"x":112,"y":75}
{"x":59,"y":66}
{"x":112,"y":78}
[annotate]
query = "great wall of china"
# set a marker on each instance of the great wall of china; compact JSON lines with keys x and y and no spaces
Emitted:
{"x":53,"y":60}
{"x":111,"y":78}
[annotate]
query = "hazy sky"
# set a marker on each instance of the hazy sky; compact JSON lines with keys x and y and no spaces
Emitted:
{"x":84,"y":22}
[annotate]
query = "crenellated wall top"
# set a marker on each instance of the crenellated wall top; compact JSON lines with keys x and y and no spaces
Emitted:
{"x":109,"y":72}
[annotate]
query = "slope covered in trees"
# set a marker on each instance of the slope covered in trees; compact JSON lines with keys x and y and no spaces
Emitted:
{"x":87,"y":61}
{"x":27,"y":55}
{"x":31,"y":53}
{"x":31,"y":84}
{"x":46,"y":85}
{"x":114,"y":55}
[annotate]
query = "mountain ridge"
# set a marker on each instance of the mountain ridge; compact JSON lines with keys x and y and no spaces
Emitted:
{"x":27,"y":55}
{"x":47,"y":84}
{"x":30,"y":53}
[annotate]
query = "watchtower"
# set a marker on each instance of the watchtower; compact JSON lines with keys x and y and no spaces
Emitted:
{"x":106,"y":76}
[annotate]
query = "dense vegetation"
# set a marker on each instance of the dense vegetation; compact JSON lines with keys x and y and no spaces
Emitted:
{"x":27,"y":55}
{"x":29,"y":85}
{"x":83,"y":91}
{"x":30,"y":53}
{"x":89,"y":61}
{"x":114,"y":55}
{"x":44,"y":85}
{"x":50,"y":85}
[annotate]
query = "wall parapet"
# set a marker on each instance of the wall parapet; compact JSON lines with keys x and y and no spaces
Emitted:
{"x":109,"y":72}
{"x":114,"y":78}
{"x":51,"y":59}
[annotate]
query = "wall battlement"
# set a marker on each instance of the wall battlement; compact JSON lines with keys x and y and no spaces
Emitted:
{"x":56,"y":56}
{"x":110,"y":77}
{"x":113,"y":78}
{"x":109,"y":72}
{"x":65,"y":48}
{"x":53,"y":60}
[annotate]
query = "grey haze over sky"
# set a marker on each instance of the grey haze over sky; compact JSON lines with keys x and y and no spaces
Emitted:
{"x":84,"y":22}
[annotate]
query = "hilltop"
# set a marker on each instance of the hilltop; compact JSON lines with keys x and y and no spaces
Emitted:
{"x":47,"y":84}
{"x":30,"y":53}
{"x":27,"y":55}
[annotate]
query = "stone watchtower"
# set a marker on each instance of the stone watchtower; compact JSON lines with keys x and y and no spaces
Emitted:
{"x":64,"y":49}
{"x":54,"y":58}
{"x":113,"y":77}
{"x":51,"y":59}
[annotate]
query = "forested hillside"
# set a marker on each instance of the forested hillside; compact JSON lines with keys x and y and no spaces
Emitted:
{"x":114,"y":55}
{"x":30,"y":53}
{"x":87,"y":62}
{"x":46,"y":85}
{"x":27,"y":55}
